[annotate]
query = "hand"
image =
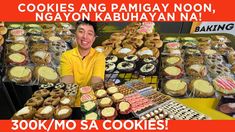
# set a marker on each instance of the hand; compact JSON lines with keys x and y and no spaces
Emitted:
{"x":96,"y":79}
{"x":67,"y":79}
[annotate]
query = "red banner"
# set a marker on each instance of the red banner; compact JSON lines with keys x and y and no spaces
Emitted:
{"x":108,"y":125}
{"x":121,"y":10}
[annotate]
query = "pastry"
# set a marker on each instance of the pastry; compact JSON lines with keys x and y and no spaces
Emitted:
{"x":174,"y":52}
{"x":193,"y":52}
{"x":63,"y":31}
{"x":70,"y":92}
{"x":173,"y":60}
{"x":153,"y":43}
{"x":204,"y":46}
{"x":189,"y":44}
{"x":122,"y":52}
{"x":112,"y":90}
{"x":219,"y":69}
{"x":135,"y":42}
{"x":18,"y":39}
{"x":188,"y":39}
{"x":109,"y":83}
{"x":158,"y":98}
{"x":65,"y":25}
{"x":194,"y":60}
{"x":32,"y":25}
{"x":68,"y":38}
{"x":68,"y":101}
{"x":100,"y":93}
{"x":109,"y":67}
{"x":85,"y":89}
{"x":172,"y":45}
{"x":197,"y":70}
{"x":105,"y":102}
{"x":41,"y":93}
{"x":204,"y":39}
{"x":60,"y":85}
{"x":52,"y":100}
{"x":214,"y":59}
{"x":135,"y":35}
{"x":18,"y":47}
{"x":96,"y":86}
{"x":39,"y":47}
{"x":15,"y":26}
{"x":34,"y":31}
{"x":48,"y":33}
{"x":111,"y":59}
{"x":173,"y":72}
{"x":210,"y":52}
{"x":57,"y":93}
{"x":91,"y":116}
{"x":87,"y":97}
{"x":147,"y":69}
{"x":225,"y":50}
{"x":138,"y":85}
{"x":144,"y":30}
{"x":16,"y":59}
{"x":152,"y":60}
{"x":45,"y":74}
{"x":45,"y":112}
{"x":20,"y":74}
{"x":58,"y":46}
{"x":46,"y":86}
{"x":125,"y":90}
{"x":224,"y":84}
{"x":171,"y":39}
{"x":25,"y":113}
{"x":201,"y":88}
{"x":17,"y":32}
{"x":88,"y":106}
{"x":175,"y":87}
{"x":124,"y":107}
{"x":112,"y":43}
{"x":147,"y":52}
{"x":57,"y":56}
{"x":117,"y":97}
{"x":131,"y":58}
{"x":138,"y":102}
{"x":231,"y":57}
{"x":54,"y":38}
{"x":62,"y":112}
{"x":41,"y":58}
{"x":104,"y":49}
{"x":126,"y":66}
{"x":221,"y":38}
{"x":34,"y":101}
{"x":155,"y":36}
{"x":108,"y":113}
{"x":3,"y":30}
{"x":118,"y":36}
{"x":72,"y":86}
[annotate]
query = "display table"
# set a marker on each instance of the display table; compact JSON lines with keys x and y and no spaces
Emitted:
{"x":206,"y":106}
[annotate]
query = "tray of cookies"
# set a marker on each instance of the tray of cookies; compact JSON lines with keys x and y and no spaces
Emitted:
{"x":194,"y":63}
{"x":36,"y":45}
{"x":49,"y":101}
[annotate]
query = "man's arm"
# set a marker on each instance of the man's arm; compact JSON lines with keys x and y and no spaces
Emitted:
{"x":96,"y":79}
{"x":67,"y":79}
{"x":99,"y":70}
